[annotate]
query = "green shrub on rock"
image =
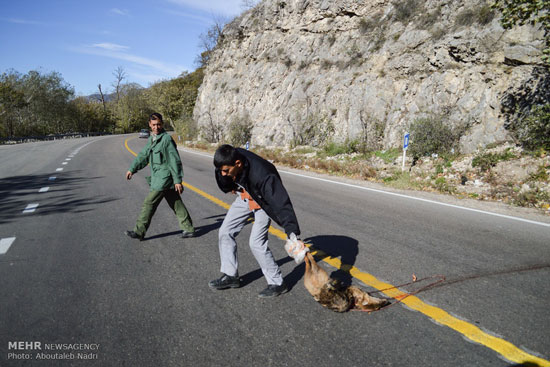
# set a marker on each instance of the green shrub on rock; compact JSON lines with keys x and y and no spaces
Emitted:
{"x":431,"y":135}
{"x":240,"y":131}
{"x":533,"y":130}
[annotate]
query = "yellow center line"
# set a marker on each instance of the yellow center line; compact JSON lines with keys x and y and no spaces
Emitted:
{"x":470,"y":331}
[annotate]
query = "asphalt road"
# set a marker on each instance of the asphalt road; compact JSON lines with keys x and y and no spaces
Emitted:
{"x":70,"y":278}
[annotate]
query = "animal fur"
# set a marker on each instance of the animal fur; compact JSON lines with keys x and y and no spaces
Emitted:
{"x":332,"y":294}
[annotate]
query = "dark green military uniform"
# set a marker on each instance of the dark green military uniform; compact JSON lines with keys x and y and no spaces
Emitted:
{"x":166,"y":170}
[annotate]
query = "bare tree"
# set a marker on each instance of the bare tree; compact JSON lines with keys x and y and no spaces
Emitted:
{"x":212,"y":131}
{"x":209,"y":40}
{"x":120,"y":75}
{"x":248,"y":4}
{"x":372,"y":133}
{"x":102,"y":98}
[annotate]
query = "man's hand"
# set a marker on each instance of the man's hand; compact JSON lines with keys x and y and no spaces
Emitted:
{"x":128,"y":175}
{"x":178,"y":188}
{"x":295,"y":248}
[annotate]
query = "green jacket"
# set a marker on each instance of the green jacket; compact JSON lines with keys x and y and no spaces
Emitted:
{"x":163,"y":157}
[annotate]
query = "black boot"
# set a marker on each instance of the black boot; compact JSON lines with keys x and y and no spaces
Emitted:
{"x":273,"y":290}
{"x":133,"y":234}
{"x":185,"y":234}
{"x":225,"y":282}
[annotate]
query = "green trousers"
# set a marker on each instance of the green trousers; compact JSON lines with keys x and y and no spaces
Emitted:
{"x":151,"y":204}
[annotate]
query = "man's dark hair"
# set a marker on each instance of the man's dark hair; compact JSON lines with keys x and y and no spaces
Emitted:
{"x":226,"y":155}
{"x":155,"y":116}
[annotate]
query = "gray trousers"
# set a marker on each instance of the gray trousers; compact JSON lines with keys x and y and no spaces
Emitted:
{"x":234,"y":221}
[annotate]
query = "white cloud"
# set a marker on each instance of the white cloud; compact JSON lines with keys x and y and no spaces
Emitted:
{"x":110,"y":50}
{"x":24,"y":21}
{"x":110,"y":46}
{"x":118,"y":11}
{"x":224,"y":7}
{"x":192,"y":16}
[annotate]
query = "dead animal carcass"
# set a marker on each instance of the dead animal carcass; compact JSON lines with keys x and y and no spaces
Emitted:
{"x":335,"y":296}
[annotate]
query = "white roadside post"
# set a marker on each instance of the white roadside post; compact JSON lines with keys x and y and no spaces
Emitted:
{"x":405,"y":146}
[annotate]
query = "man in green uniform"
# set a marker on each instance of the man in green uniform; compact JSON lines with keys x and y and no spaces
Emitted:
{"x":165,"y":181}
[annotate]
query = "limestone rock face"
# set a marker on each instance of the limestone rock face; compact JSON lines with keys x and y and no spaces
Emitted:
{"x":371,"y":68}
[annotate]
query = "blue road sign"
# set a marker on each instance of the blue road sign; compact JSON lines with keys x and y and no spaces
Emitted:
{"x":406,"y":141}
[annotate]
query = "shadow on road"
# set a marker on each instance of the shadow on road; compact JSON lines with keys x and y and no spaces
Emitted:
{"x":343,"y":247}
{"x":202,"y":230}
{"x":167,"y":234}
{"x":199,"y":231}
{"x":17,"y":192}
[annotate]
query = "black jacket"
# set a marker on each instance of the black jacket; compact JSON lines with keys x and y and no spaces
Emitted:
{"x":262,"y":181}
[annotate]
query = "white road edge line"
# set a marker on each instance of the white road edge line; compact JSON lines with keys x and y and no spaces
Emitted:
{"x":5,"y":244}
{"x":75,"y":152}
{"x":31,"y":208}
{"x":196,"y":153}
{"x":398,"y":195}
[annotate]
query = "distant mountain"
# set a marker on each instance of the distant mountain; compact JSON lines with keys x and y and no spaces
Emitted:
{"x":97,"y":97}
{"x":112,"y":96}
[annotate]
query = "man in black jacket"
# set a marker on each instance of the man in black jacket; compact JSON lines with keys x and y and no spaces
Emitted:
{"x":261,"y":192}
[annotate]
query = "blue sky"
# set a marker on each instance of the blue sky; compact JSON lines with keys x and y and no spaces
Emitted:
{"x":86,"y":41}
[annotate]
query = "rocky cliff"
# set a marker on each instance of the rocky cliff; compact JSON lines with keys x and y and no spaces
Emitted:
{"x":370,"y":68}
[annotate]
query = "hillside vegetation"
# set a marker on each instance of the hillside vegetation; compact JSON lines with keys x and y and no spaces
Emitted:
{"x":38,"y":104}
